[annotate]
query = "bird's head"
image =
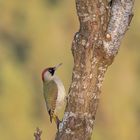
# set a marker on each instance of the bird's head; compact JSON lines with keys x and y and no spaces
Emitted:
{"x":48,"y":73}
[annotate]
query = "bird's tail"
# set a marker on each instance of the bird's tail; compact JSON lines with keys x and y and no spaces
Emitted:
{"x":51,"y":113}
{"x":54,"y":117}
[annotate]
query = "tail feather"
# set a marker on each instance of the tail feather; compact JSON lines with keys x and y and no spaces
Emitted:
{"x":54,"y":117}
{"x":51,"y":115}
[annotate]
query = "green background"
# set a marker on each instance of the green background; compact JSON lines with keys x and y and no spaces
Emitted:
{"x":35,"y":34}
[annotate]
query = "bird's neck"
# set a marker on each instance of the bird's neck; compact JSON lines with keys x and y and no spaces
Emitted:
{"x":49,"y":79}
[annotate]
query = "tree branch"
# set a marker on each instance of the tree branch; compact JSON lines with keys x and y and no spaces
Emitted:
{"x":94,"y":47}
{"x":121,"y":16}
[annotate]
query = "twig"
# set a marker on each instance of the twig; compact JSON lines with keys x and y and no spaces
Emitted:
{"x":37,"y":134}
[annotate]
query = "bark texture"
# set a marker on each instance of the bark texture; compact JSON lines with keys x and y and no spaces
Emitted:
{"x":102,"y":26}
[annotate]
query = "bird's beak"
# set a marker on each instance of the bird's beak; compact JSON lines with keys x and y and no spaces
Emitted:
{"x":57,"y":66}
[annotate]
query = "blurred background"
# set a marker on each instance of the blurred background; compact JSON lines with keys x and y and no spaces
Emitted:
{"x":35,"y":34}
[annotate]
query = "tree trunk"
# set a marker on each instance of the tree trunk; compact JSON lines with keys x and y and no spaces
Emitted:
{"x":102,"y":26}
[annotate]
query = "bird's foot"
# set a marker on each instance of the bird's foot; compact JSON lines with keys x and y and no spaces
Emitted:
{"x":57,"y":122}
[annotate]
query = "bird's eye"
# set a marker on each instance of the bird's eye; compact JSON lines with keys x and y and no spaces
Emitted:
{"x":51,"y":71}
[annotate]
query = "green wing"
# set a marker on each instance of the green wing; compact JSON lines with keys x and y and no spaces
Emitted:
{"x":50,"y":95}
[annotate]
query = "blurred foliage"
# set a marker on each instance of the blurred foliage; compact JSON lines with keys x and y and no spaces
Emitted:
{"x":36,"y":34}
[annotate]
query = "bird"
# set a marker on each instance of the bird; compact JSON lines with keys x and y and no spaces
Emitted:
{"x":54,"y":92}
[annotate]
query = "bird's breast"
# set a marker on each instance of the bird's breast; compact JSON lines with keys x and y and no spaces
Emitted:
{"x":61,"y":92}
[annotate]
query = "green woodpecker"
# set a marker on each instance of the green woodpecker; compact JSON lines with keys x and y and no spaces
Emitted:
{"x":54,"y":92}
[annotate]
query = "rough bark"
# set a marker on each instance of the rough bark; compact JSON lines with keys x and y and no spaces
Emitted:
{"x":102,"y":26}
